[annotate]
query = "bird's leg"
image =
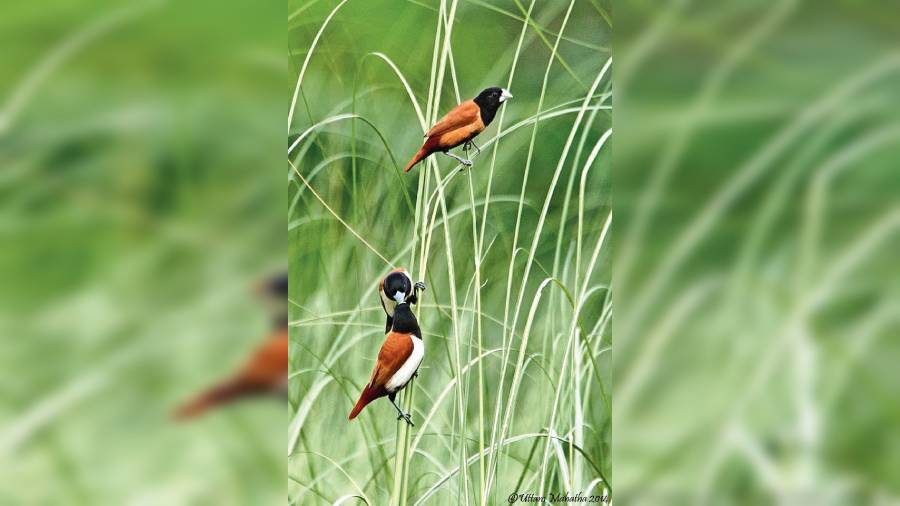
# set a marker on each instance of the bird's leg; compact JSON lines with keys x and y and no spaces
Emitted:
{"x":477,"y":149}
{"x":467,"y":163}
{"x":402,"y":415}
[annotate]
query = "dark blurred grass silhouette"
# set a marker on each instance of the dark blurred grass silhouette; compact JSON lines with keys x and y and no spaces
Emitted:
{"x":139,"y":202}
{"x":756,"y":276}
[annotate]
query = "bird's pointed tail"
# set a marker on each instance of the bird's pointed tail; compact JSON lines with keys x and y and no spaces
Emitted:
{"x":215,"y":396}
{"x":416,"y":159}
{"x":368,"y":395}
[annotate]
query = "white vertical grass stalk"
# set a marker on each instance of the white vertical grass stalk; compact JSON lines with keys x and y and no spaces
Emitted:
{"x":517,"y":375}
{"x":584,"y":173}
{"x":448,"y":244}
{"x":509,"y":276}
{"x":580,"y":297}
{"x":578,"y":435}
{"x":540,"y":225}
{"x":550,"y":191}
{"x":400,"y":488}
{"x":451,"y":274}
{"x":563,"y":305}
{"x":398,"y":491}
{"x":402,"y":462}
{"x":478,"y":333}
{"x":421,"y":211}
{"x":479,"y":251}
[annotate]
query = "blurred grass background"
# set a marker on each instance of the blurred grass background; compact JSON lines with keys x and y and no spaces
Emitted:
{"x":353,"y":214}
{"x":138,"y":205}
{"x":756,"y":275}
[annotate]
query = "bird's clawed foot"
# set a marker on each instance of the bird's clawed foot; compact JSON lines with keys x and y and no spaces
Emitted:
{"x":467,"y":163}
{"x":401,"y":415}
{"x":414,"y":296}
{"x":469,"y":145}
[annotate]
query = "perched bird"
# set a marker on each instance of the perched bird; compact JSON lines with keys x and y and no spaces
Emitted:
{"x":264,"y":373}
{"x":398,"y":361}
{"x":461,"y":125}
{"x":397,"y":281}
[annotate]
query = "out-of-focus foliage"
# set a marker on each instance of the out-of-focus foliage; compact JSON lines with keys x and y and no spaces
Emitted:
{"x":756,"y":269}
{"x":139,"y":202}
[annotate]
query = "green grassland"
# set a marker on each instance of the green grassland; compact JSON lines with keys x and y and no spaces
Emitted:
{"x":514,"y":393}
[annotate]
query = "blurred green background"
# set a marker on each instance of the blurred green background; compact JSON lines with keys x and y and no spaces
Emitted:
{"x":139,"y":202}
{"x":350,"y":204}
{"x":756,"y":276}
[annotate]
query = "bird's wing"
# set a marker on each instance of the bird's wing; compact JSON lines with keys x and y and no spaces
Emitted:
{"x":464,"y":114}
{"x":269,"y":365}
{"x":396,"y":349}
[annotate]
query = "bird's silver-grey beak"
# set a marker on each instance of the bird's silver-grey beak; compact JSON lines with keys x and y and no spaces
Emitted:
{"x":400,"y":297}
{"x":505,"y":95}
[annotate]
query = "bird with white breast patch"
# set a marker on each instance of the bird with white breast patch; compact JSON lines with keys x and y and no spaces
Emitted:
{"x":398,"y":361}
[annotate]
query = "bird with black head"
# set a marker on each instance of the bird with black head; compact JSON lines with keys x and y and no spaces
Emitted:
{"x":461,"y":125}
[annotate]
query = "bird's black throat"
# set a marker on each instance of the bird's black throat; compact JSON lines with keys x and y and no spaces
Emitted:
{"x":488,"y":112}
{"x":488,"y":101}
{"x":405,"y":321}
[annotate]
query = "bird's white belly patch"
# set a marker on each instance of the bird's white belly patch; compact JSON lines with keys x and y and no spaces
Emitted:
{"x":405,"y":373}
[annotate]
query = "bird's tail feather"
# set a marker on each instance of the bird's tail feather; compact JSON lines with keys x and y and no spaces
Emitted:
{"x":220,"y":394}
{"x":368,"y":395}
{"x":416,"y":159}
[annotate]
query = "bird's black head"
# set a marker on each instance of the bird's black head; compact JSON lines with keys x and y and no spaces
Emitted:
{"x":396,"y":285}
{"x":489,"y":100}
